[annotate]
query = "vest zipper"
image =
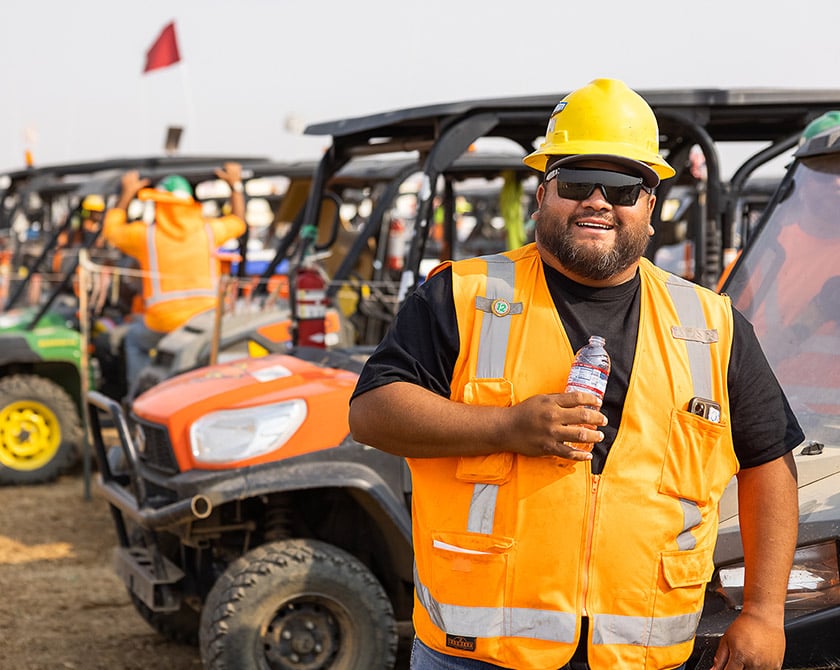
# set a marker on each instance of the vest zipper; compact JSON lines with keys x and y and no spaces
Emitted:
{"x":590,"y":530}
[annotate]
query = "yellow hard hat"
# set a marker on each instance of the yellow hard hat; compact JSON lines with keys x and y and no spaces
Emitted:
{"x":93,"y":203}
{"x":604,"y":120}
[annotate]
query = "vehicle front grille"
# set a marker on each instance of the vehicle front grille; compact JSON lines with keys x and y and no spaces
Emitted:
{"x":156,"y":448}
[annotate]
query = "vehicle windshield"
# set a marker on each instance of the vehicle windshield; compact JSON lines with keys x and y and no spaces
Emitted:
{"x":788,"y":285}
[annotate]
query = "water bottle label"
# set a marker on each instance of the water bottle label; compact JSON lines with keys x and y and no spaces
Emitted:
{"x":587,"y":378}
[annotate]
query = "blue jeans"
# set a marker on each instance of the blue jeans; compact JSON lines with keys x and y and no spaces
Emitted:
{"x":139,"y":341}
{"x":424,"y":658}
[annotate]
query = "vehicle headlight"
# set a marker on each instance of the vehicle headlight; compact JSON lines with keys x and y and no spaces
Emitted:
{"x":239,"y":434}
{"x":814,"y":581}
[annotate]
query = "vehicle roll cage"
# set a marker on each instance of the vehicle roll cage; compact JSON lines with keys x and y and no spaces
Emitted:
{"x":440,"y":134}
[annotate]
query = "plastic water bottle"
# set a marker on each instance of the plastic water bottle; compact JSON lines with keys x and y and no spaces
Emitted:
{"x":590,"y":372}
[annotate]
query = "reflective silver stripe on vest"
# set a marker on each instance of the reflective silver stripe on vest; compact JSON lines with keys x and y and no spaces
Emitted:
{"x":693,"y":320}
{"x":492,"y":352}
{"x":497,"y":621}
{"x":691,"y":518}
{"x":643,"y":631}
{"x":158,"y":294}
{"x":482,"y":508}
{"x":696,"y":334}
{"x":495,"y":331}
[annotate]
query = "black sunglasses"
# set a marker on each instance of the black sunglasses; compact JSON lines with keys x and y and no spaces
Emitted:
{"x":579,"y":183}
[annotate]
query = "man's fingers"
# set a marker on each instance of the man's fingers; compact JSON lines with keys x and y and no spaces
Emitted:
{"x":576,"y":399}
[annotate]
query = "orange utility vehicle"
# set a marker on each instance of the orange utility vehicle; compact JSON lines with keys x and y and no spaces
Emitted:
{"x":248,"y":519}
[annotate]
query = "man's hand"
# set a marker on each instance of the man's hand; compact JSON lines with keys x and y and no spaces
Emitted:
{"x":751,"y":643}
{"x":131,"y":185}
{"x":768,"y":514}
{"x":231,"y":173}
{"x":544,"y":424}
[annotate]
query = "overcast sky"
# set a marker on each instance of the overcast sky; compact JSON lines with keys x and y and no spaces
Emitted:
{"x":253,"y":70}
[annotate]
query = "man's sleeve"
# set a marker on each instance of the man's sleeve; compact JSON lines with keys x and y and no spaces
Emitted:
{"x":763,"y":424}
{"x":130,"y":239}
{"x":421,"y":346}
{"x":227,"y":228}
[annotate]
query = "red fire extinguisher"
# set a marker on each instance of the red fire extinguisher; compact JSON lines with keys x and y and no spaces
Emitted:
{"x":397,"y":238}
{"x":311,"y":307}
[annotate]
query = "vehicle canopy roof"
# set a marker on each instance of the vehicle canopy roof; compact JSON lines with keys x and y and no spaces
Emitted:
{"x":686,"y":117}
{"x":726,"y":115}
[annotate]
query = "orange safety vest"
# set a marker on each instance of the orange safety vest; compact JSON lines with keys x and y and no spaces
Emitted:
{"x":177,"y":255}
{"x":511,"y":551}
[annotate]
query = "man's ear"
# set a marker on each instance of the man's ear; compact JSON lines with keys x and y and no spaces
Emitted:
{"x":540,"y":193}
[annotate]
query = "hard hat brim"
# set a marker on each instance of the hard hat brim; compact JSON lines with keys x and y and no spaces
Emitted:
{"x":644,"y":170}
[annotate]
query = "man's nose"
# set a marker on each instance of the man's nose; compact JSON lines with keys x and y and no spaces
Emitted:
{"x":597,"y":199}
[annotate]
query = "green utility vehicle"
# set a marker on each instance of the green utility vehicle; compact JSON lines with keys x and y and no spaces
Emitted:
{"x":40,"y":393}
{"x":41,"y":354}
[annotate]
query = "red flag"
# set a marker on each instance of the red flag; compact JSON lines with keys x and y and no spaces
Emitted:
{"x":164,"y":52}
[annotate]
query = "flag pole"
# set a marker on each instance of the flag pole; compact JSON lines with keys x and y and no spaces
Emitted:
{"x":188,"y":100}
{"x":164,"y":53}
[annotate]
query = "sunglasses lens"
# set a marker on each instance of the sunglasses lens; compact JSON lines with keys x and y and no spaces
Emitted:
{"x":575,"y":191}
{"x":624,"y":196}
{"x":578,"y":184}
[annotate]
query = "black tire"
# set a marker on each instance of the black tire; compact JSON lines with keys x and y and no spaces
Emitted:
{"x":40,"y":430}
{"x":299,"y":604}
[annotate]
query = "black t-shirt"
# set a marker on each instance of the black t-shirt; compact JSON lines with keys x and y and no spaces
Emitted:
{"x":422,"y":345}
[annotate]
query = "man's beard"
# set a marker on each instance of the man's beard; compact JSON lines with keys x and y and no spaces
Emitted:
{"x":589,"y":260}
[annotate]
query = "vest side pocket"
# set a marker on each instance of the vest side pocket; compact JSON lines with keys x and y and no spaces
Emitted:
{"x":490,"y":468}
{"x":687,"y":568}
{"x":471,"y":569}
{"x":686,"y":574}
{"x":689,"y":467}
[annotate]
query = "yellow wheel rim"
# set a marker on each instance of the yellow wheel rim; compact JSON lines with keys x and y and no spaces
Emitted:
{"x":30,"y":435}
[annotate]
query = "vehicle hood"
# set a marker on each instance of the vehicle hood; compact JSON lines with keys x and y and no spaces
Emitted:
{"x":818,"y":475}
{"x":17,"y":319}
{"x":241,"y":383}
{"x":252,"y":385}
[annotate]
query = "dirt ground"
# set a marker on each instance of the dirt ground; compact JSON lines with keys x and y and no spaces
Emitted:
{"x":63,"y":606}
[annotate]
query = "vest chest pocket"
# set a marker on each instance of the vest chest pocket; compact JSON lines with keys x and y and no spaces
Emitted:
{"x":491,"y":468}
{"x":692,"y":460}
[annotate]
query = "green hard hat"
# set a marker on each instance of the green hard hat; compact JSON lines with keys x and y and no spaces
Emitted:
{"x":821,"y":124}
{"x":176,"y":184}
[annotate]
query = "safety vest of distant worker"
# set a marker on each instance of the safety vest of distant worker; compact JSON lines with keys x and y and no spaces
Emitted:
{"x":177,"y":256}
{"x":523,"y":547}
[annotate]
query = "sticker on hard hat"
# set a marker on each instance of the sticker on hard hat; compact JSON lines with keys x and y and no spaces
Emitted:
{"x":560,"y":107}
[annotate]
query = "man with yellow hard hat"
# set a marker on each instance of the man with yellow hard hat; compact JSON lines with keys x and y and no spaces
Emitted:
{"x":535,"y":555}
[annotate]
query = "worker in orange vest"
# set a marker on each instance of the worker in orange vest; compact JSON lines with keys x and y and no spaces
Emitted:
{"x":532,"y":553}
{"x":176,"y":253}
